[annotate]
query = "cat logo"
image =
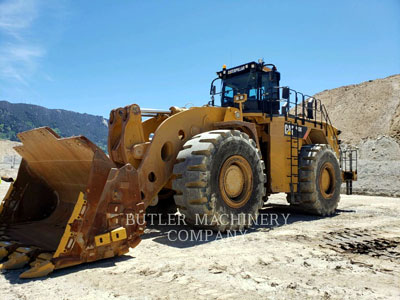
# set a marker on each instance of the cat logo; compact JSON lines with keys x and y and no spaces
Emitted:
{"x":295,"y":130}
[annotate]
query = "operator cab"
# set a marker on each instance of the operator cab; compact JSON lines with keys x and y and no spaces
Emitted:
{"x":258,"y":81}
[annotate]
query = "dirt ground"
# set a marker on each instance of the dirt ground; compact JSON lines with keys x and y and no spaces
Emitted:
{"x":353,"y":254}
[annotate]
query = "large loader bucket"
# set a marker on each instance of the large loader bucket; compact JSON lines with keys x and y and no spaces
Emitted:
{"x":69,"y":204}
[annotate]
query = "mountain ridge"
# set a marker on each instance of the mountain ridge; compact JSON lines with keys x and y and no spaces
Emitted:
{"x":18,"y":117}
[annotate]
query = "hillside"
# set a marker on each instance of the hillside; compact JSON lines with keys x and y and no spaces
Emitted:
{"x":15,"y":118}
{"x":369,"y":116}
{"x":366,"y":110}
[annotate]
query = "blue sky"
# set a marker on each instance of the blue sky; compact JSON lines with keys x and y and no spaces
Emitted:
{"x":93,"y":56}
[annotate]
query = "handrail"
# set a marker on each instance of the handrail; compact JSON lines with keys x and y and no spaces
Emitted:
{"x":318,"y":109}
{"x":349,"y":159}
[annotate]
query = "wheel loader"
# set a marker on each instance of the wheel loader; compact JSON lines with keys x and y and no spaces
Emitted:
{"x":72,"y":203}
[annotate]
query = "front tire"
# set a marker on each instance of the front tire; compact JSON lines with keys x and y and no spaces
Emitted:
{"x":219,"y":180}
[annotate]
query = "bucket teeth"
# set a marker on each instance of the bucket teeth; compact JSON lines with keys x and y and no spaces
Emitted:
{"x":40,"y":267}
{"x":41,"y":258}
{"x":3,"y":252}
{"x":19,"y":258}
{"x":7,"y":248}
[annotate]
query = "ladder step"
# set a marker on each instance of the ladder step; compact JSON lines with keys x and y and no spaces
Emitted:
{"x":294,"y":157}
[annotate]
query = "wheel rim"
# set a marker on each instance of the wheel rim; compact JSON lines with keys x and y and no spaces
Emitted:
{"x":236,"y":181}
{"x":327,"y":180}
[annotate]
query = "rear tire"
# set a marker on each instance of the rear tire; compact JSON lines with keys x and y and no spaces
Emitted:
{"x":319,"y":181}
{"x":219,"y":177}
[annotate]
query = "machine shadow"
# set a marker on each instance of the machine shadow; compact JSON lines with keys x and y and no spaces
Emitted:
{"x":271,"y":217}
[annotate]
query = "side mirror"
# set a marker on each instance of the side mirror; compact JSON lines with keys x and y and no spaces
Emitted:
{"x":213,"y":90}
{"x":285,"y":93}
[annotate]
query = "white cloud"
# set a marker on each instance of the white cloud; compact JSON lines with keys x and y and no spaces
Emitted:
{"x":19,"y":61}
{"x":17,"y":15}
{"x":18,"y":54}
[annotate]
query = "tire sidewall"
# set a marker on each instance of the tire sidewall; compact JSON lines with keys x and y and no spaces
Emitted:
{"x":331,"y":202}
{"x":228,"y":148}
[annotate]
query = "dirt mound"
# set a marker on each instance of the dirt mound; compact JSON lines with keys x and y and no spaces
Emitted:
{"x":378,"y":167}
{"x":369,"y":116}
{"x":366,"y":110}
{"x":6,"y":148}
{"x":9,"y":159}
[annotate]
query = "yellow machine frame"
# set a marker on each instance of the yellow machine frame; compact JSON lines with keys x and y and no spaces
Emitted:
{"x":129,"y":141}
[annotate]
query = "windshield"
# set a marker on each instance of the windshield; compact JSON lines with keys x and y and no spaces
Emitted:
{"x":241,"y":84}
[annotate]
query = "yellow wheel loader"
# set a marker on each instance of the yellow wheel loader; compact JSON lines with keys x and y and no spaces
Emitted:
{"x":71,"y":203}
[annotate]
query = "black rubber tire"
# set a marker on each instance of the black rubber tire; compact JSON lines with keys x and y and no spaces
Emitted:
{"x":310,"y":199}
{"x":165,"y":206}
{"x":196,"y":180}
